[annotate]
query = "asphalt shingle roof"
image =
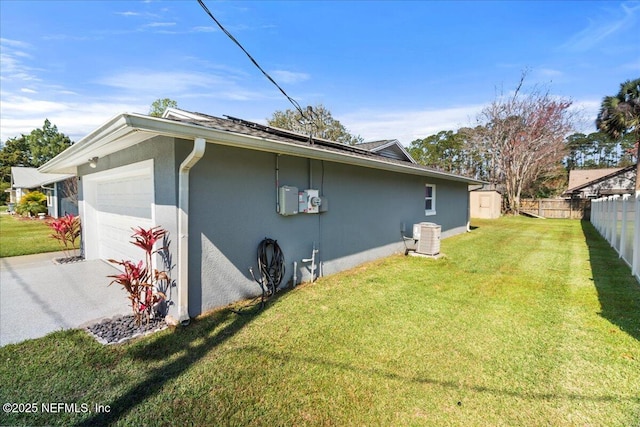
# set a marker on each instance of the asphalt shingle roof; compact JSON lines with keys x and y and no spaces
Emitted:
{"x":244,"y":127}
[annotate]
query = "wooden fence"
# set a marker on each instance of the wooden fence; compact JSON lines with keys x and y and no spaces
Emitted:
{"x":557,"y":208}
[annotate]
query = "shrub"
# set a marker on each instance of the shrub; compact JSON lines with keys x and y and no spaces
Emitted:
{"x":141,"y":281}
{"x":32,"y":204}
{"x":67,"y":231}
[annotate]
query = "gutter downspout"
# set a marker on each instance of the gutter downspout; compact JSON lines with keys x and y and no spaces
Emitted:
{"x":199,"y":145}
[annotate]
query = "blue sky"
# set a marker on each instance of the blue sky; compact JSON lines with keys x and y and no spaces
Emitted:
{"x":401,"y":70}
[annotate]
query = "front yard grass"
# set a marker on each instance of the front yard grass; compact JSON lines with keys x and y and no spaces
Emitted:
{"x":24,"y":236}
{"x":525,"y":322}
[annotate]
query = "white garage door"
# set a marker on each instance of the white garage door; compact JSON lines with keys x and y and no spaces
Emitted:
{"x":117,"y":201}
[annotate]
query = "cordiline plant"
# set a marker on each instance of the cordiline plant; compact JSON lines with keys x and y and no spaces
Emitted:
{"x":66,"y":230}
{"x":145,"y":284}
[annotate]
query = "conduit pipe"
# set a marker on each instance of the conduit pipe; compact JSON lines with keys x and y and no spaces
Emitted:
{"x":199,"y":145}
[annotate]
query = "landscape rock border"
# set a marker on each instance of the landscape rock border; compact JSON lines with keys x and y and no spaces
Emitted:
{"x":68,"y":260}
{"x":120,"y":329}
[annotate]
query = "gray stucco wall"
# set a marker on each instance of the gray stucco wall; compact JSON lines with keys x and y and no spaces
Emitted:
{"x":233,"y":207}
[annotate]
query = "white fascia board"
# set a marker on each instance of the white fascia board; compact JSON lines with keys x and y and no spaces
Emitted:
{"x":181,"y":114}
{"x":112,"y":136}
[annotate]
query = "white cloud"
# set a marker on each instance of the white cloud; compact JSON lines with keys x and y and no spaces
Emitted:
{"x":14,"y":43}
{"x":24,"y":108}
{"x":128,"y":13}
{"x":608,"y":24}
{"x":289,"y":77}
{"x":406,"y":126}
{"x":21,"y":114}
{"x":149,"y":82}
{"x":549,"y":72}
{"x":183,"y":84}
{"x":586,"y":113}
{"x":13,"y":53}
{"x":204,"y":29}
{"x":160,"y":24}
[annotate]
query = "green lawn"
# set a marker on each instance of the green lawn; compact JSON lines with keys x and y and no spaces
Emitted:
{"x":24,"y":236}
{"x":524,"y":323}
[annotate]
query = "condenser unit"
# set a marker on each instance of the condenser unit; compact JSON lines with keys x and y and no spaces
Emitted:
{"x":427,"y":237}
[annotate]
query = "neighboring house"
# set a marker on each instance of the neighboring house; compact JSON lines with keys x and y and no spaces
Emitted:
{"x":60,"y":189}
{"x":594,"y":183}
{"x":390,"y":148}
{"x":220,"y":186}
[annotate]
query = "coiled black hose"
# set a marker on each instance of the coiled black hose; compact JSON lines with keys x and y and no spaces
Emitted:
{"x":271,"y":265}
{"x":272,"y":269}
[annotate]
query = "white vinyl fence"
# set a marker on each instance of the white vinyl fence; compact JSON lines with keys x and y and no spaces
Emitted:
{"x":617,"y":218}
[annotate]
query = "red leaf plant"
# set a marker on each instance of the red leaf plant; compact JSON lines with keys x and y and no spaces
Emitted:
{"x":66,"y":230}
{"x":141,"y":280}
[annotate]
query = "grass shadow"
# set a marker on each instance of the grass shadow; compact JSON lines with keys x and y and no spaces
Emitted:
{"x":453,"y":385}
{"x":618,"y":291}
{"x":182,"y":348}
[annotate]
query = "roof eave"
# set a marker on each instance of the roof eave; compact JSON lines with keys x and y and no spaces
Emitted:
{"x":128,"y":129}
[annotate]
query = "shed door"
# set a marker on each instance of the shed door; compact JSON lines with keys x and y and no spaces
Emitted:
{"x":118,"y":200}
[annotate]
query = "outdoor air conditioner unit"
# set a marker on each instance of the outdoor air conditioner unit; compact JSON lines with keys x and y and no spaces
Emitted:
{"x":427,"y":237}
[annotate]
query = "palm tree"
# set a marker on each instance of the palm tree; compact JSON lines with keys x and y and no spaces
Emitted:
{"x":620,"y":115}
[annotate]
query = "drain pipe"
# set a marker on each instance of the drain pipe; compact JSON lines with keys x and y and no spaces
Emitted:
{"x":199,"y":145}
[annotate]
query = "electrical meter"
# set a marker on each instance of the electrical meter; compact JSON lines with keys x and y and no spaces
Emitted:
{"x":309,"y":201}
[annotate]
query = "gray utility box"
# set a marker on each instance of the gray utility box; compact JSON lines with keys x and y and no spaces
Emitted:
{"x":287,"y":200}
{"x":427,"y":235}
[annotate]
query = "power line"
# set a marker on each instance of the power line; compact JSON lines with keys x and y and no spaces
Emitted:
{"x":233,"y":39}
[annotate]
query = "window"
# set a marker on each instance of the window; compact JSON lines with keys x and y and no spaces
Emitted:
{"x":430,"y":199}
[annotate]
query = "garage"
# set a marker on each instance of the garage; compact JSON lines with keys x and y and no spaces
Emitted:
{"x":114,"y":202}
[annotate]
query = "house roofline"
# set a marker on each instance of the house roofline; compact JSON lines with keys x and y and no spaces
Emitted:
{"x":399,"y":145}
{"x":128,"y":129}
{"x":598,"y":180}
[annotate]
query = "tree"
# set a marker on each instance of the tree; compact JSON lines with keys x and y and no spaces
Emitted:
{"x":525,"y":135}
{"x":32,"y":150}
{"x":160,"y":105}
{"x":14,"y":152}
{"x":620,"y":115}
{"x":598,"y":150}
{"x":444,"y":151}
{"x":449,"y":151}
{"x":318,"y":122}
{"x":46,"y":143}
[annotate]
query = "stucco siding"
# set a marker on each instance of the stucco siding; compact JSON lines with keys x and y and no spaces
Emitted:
{"x":233,"y":207}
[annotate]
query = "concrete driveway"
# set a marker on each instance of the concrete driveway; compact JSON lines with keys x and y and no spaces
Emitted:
{"x":38,"y":297}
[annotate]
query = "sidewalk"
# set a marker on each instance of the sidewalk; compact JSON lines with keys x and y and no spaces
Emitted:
{"x":38,"y":296}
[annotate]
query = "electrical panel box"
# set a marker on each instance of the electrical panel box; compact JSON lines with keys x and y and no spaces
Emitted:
{"x":309,"y":201}
{"x":288,"y":200}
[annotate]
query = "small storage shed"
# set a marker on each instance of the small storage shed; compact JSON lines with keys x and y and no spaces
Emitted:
{"x":485,"y":204}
